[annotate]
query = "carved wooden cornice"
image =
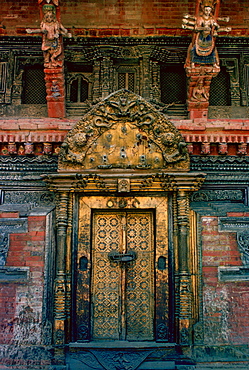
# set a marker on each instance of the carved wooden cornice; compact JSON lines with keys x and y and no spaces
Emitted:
{"x":109,"y":182}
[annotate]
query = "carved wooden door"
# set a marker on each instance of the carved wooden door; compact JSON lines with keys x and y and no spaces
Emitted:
{"x":122,"y":293}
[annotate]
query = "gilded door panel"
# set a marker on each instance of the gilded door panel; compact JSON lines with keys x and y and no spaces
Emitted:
{"x":123,"y":292}
{"x":140,"y":278}
{"x":107,"y":237}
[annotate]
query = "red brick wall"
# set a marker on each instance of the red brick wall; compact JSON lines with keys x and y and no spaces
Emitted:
{"x":21,"y":303}
{"x":226,"y":315}
{"x":141,"y":16}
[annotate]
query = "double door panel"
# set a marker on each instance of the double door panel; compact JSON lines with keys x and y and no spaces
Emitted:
{"x":122,"y":281}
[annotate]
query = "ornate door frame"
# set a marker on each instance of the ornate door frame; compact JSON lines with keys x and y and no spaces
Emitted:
{"x":159,"y":206}
{"x":114,"y":191}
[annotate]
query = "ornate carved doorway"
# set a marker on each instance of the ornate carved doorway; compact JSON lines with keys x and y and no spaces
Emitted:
{"x":122,"y":264}
{"x":122,"y":276}
{"x":126,"y":259}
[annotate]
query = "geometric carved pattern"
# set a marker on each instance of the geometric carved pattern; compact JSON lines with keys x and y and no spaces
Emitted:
{"x":140,"y":278}
{"x":106,"y":277}
{"x":122,"y":292}
{"x":243,"y":243}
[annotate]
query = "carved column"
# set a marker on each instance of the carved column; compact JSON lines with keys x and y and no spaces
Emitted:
{"x":52,"y":47}
{"x":55,"y":88}
{"x":96,"y":81}
{"x":155,"y":93}
{"x":105,"y":77}
{"x":199,"y":81}
{"x":232,"y":68}
{"x":202,"y":62}
{"x":60,"y":279}
{"x":183,"y":274}
{"x":146,"y":72}
{"x":68,"y":266}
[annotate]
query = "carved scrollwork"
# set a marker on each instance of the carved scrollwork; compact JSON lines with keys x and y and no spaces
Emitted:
{"x":243,"y":243}
{"x":124,"y":131}
{"x":162,"y":332}
{"x":83,"y":332}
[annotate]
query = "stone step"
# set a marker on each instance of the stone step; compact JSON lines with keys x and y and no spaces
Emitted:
{"x":157,"y":365}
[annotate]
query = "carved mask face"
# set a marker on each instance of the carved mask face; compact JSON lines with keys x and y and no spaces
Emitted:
{"x":49,"y":17}
{"x":123,"y":100}
{"x":207,"y":10}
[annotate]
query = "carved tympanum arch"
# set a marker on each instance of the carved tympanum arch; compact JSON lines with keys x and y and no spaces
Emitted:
{"x":125,"y":159}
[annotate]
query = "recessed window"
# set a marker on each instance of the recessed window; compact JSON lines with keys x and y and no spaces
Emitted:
{"x":126,"y":80}
{"x":34,"y":89}
{"x":173,"y":84}
{"x":79,"y":90}
{"x":220,"y":89}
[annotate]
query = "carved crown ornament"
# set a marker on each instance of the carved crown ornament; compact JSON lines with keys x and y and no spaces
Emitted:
{"x":124,"y":132}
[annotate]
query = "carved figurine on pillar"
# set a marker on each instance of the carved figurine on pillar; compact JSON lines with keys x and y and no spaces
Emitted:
{"x":52,"y":46}
{"x":202,"y":62}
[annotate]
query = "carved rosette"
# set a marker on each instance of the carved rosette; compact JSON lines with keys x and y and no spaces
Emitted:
{"x":124,"y":131}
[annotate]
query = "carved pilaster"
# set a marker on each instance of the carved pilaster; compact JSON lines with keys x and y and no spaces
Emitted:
{"x":232,"y":67}
{"x":52,"y":46}
{"x":68,"y":264}
{"x":175,"y":243}
{"x":146,"y":71}
{"x":185,"y":294}
{"x":96,"y":82}
{"x":155,"y":92}
{"x":17,"y":88}
{"x":55,"y":88}
{"x":60,"y":280}
{"x":199,"y":81}
{"x":105,"y":77}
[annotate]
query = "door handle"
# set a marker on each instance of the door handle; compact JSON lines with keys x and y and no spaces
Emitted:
{"x":122,"y":257}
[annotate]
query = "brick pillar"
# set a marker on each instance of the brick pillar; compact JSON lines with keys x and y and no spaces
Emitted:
{"x":55,"y":88}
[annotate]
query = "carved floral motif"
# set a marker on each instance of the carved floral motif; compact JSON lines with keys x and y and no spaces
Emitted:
{"x":124,"y":131}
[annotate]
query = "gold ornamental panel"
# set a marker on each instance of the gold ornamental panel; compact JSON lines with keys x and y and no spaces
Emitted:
{"x":123,"y":276}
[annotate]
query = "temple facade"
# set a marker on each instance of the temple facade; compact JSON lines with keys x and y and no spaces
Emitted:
{"x":124,"y":216}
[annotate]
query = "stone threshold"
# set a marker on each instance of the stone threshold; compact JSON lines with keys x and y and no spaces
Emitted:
{"x":120,"y":344}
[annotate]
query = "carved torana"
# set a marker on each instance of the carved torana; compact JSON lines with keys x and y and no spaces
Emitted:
{"x":123,"y":131}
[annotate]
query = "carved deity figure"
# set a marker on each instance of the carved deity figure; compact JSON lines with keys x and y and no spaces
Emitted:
{"x":199,"y":92}
{"x":51,"y":31}
{"x":204,"y":25}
